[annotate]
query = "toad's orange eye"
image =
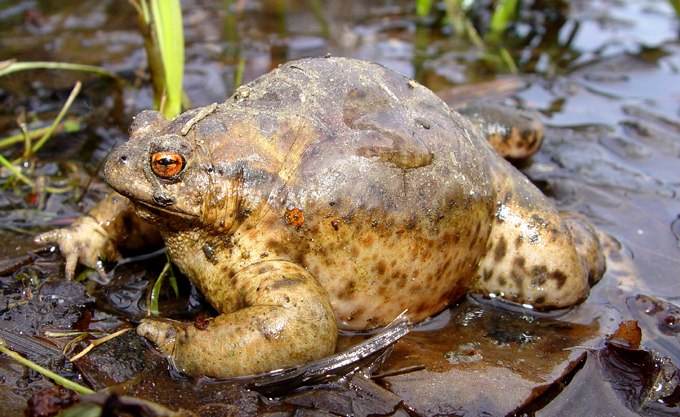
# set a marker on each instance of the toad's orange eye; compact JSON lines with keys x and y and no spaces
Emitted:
{"x":167,"y":164}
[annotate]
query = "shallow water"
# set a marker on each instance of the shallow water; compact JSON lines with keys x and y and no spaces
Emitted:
{"x":605,"y":76}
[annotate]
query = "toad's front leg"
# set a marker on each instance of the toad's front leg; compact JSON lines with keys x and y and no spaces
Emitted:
{"x":286,"y":319}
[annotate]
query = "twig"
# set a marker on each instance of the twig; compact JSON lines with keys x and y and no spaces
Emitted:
{"x":98,"y":342}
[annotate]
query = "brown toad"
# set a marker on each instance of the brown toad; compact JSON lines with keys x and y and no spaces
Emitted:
{"x":329,"y":193}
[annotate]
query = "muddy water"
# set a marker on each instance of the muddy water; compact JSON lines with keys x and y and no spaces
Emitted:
{"x":604,"y":74}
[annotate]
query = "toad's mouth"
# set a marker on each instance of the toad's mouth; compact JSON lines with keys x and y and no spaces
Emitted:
{"x":158,"y":212}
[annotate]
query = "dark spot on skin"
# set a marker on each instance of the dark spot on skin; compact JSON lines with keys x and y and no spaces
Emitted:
{"x":519,"y":241}
{"x":348,"y":291}
{"x":501,"y":249}
{"x":502,"y":281}
{"x":335,"y":224}
{"x":519,"y":262}
{"x":540,"y":274}
{"x":374,"y":223}
{"x":401,"y":279}
{"x":486,"y":275}
{"x":559,"y":277}
{"x":516,"y":275}
{"x":382,"y":267}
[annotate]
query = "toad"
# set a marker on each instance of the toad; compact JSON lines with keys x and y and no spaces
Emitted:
{"x":330,"y":193}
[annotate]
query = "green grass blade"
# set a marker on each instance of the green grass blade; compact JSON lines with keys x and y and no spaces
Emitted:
{"x":156,"y":291}
{"x":423,"y":7}
{"x":502,"y":15}
{"x":167,"y":17}
{"x":35,"y":65}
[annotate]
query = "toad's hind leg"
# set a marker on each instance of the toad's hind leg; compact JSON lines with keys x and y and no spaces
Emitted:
{"x":286,"y":320}
{"x":531,"y":257}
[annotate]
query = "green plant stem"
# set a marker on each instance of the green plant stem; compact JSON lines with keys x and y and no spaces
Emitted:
{"x":25,"y":66}
{"x":7,"y":164}
{"x":43,"y":371}
{"x":240,"y":68}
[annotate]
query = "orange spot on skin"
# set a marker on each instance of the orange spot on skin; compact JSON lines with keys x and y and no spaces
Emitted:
{"x":167,"y":164}
{"x":295,"y":217}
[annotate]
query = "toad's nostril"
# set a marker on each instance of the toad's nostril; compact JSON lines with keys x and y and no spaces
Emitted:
{"x":123,"y":159}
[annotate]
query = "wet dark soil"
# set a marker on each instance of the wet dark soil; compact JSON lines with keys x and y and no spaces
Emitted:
{"x":605,"y":75}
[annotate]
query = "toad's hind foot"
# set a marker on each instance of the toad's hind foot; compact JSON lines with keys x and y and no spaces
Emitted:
{"x":286,"y":320}
{"x":538,"y":256}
